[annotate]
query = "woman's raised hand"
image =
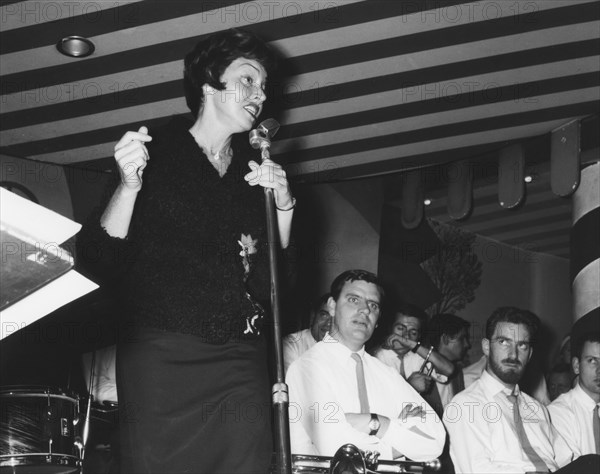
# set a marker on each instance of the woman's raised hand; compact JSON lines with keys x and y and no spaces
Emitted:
{"x":132,"y":156}
{"x":271,"y":175}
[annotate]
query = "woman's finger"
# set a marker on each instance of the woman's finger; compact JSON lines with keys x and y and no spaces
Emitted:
{"x":141,"y":136}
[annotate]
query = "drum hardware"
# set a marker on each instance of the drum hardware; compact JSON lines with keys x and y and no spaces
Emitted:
{"x":38,"y":431}
{"x":350,"y":460}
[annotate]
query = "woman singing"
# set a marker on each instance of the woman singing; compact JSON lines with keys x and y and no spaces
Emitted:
{"x":184,"y":239}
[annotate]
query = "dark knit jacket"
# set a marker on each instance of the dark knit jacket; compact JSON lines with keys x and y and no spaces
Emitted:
{"x":180,"y":268}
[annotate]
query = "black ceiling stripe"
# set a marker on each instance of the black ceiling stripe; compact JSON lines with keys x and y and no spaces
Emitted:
{"x":173,"y":51}
{"x":513,"y":92}
{"x":92,"y":104}
{"x":441,"y":131}
{"x":449,"y":36}
{"x":446,"y":72}
{"x":91,"y":21}
{"x":80,"y":140}
{"x":290,"y":24}
{"x":532,"y":237}
{"x":329,"y":171}
{"x":174,"y":89}
{"x":109,"y":134}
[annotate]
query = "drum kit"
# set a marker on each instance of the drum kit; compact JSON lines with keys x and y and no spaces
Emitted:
{"x":40,"y":431}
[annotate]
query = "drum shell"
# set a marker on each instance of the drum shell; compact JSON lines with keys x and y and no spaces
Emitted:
{"x":39,"y":426}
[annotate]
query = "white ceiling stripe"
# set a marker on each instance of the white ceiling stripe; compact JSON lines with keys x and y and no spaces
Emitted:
{"x":428,"y":146}
{"x":92,"y":122}
{"x":92,"y":87}
{"x":240,"y":15}
{"x":21,"y":14}
{"x":441,"y":89}
{"x":436,"y":119}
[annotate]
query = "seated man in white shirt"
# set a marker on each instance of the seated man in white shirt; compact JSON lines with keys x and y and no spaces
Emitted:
{"x":574,"y":413}
{"x":297,"y":343}
{"x":404,"y":351}
{"x":340,"y":394}
{"x":493,"y":426}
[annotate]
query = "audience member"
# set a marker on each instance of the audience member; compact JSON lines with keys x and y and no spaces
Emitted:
{"x":575,"y":413}
{"x":534,"y":382}
{"x":559,"y":380}
{"x":340,"y":394}
{"x":296,"y":344}
{"x":404,"y":351}
{"x":449,"y":335}
{"x":485,"y":421}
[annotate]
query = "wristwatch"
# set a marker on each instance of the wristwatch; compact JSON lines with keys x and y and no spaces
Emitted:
{"x":374,"y":424}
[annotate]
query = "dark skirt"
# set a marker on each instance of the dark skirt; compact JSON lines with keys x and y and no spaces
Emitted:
{"x":190,"y":407}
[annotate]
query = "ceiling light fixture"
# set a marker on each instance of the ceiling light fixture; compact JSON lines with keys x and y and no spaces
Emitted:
{"x":427,"y":202}
{"x":75,"y":46}
{"x":528,"y":179}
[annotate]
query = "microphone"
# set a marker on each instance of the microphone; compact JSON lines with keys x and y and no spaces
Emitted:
{"x":261,"y":136}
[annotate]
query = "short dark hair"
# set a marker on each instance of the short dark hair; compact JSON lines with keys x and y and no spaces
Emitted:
{"x":445,"y":323}
{"x":511,"y":314}
{"x":316,"y":306}
{"x":581,"y":340}
{"x":408,"y":309}
{"x":207,"y":62}
{"x":353,"y":275}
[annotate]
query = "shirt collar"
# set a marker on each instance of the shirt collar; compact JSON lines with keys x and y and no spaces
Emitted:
{"x":340,"y":349}
{"x":585,"y":399}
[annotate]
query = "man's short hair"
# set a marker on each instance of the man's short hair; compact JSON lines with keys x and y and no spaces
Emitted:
{"x":408,"y":309}
{"x":353,"y":275}
{"x":511,"y":314}
{"x":445,"y":323}
{"x":316,"y":306}
{"x":581,"y":340}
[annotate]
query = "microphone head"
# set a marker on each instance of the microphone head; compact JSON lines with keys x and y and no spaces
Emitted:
{"x":269,"y":126}
{"x":263,"y":133}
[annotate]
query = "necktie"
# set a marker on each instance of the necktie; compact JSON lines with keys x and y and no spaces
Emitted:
{"x":402,"y":367}
{"x":596,"y":427}
{"x":531,"y":453}
{"x":362,"y":386}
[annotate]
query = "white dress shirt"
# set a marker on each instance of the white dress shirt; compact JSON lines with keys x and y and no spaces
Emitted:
{"x":571,"y":415}
{"x":105,"y":378}
{"x":296,"y":344}
{"x":411,"y":361}
{"x":323,"y":388}
{"x":483,"y":439}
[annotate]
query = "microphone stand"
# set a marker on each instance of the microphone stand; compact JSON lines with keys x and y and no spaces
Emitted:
{"x":261,"y":138}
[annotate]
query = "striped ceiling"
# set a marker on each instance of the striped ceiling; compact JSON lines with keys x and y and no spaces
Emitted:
{"x":372,"y":87}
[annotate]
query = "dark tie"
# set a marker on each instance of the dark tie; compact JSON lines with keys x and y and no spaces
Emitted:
{"x":531,"y":453}
{"x":362,"y":386}
{"x":596,"y":427}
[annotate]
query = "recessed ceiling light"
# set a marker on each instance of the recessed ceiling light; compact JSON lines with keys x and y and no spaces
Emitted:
{"x":75,"y":46}
{"x":528,"y":179}
{"x":427,"y":202}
